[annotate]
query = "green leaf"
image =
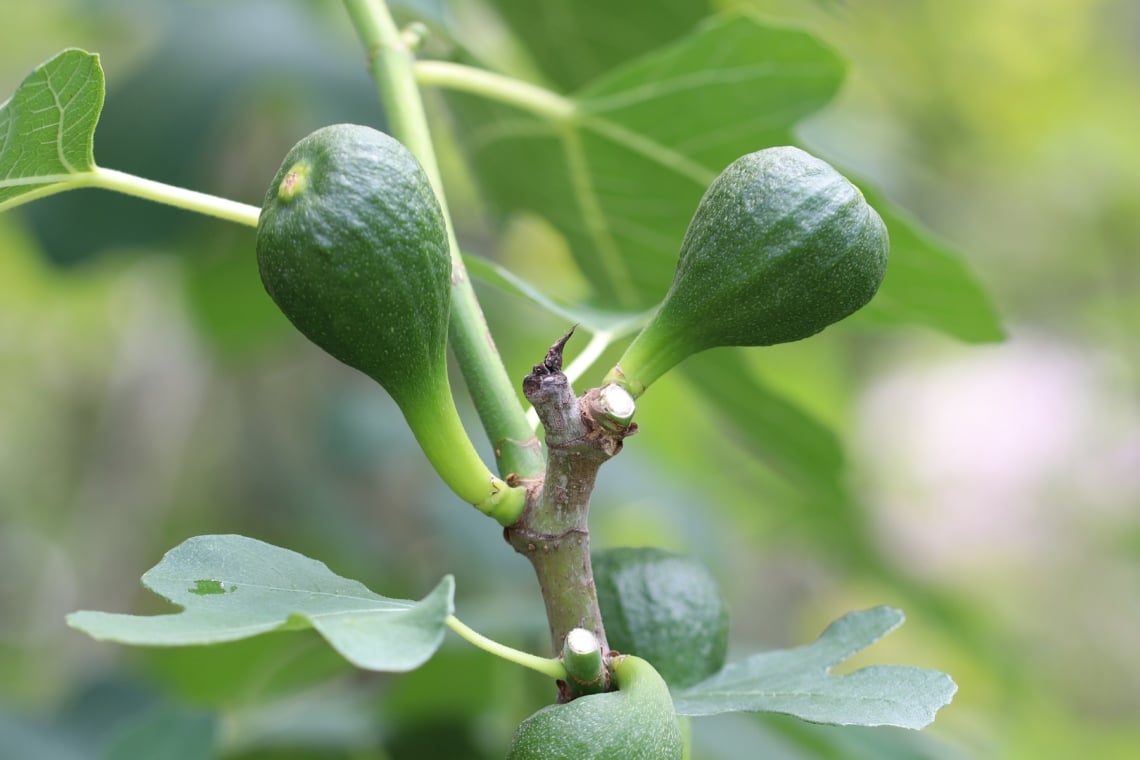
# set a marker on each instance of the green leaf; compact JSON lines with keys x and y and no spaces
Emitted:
{"x":793,"y":443}
{"x":772,"y":736}
{"x":573,"y":41}
{"x":788,"y":439}
{"x":797,"y":681}
{"x":233,"y":587}
{"x":47,"y":127}
{"x":622,"y":179}
{"x":929,"y":284}
{"x":617,"y":323}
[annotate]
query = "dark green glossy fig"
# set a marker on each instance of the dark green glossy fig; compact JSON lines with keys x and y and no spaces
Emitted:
{"x":664,"y":607}
{"x":636,"y":722}
{"x":781,"y":246}
{"x":351,"y":244}
{"x":353,"y":248}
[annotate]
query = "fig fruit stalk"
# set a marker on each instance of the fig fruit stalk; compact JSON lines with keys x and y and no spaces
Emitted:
{"x":352,"y":246}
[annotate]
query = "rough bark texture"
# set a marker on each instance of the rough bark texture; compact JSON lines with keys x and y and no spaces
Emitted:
{"x":553,"y":533}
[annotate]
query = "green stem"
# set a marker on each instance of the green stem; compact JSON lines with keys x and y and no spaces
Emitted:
{"x":507,"y":90}
{"x":390,"y":63}
{"x":392,"y":66}
{"x":435,"y":422}
{"x":170,"y":195}
{"x":242,"y":213}
{"x":617,"y":285}
{"x":656,"y":349}
{"x":584,"y":662}
{"x":548,"y":666}
{"x":556,"y":109}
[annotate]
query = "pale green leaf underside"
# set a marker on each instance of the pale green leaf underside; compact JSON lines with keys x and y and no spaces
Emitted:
{"x":47,"y":127}
{"x":233,"y":587}
{"x":797,"y":681}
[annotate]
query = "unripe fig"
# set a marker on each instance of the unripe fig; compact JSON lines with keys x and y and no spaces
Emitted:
{"x":664,"y":607}
{"x":781,"y":246}
{"x":636,"y":722}
{"x":352,"y":246}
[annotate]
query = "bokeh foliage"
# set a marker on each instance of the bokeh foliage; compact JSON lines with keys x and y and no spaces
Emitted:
{"x":150,"y":392}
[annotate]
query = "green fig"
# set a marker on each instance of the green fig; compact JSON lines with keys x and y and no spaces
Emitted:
{"x":353,"y":248}
{"x":636,"y":722}
{"x":664,"y":607}
{"x":781,"y":246}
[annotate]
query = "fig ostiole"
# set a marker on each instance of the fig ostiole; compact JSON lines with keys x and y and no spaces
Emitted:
{"x":780,"y":246}
{"x":635,"y":722}
{"x":352,"y":247}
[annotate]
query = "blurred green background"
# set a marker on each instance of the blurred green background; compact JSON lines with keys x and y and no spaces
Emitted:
{"x":149,"y":392}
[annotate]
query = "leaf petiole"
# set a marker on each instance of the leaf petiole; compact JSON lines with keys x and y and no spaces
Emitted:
{"x":392,"y":66}
{"x":129,"y":184}
{"x":548,"y":666}
{"x":556,"y":109}
{"x":191,"y":200}
{"x":506,"y":90}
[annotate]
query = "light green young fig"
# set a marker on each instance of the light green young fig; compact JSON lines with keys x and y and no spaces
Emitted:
{"x":781,"y":246}
{"x":352,"y":246}
{"x":636,"y":722}
{"x":664,"y":607}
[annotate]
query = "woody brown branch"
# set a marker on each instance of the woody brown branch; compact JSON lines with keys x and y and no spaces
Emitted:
{"x":552,"y":532}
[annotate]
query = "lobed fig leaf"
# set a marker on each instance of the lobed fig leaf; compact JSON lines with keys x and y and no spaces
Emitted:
{"x":636,"y":722}
{"x":781,"y":246}
{"x":233,"y":587}
{"x":666,"y":608}
{"x":353,"y":248}
{"x":799,"y":681}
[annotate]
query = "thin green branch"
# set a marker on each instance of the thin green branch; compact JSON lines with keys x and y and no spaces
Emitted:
{"x":567,"y":113}
{"x":503,"y":89}
{"x":390,"y":63}
{"x":554,"y":108}
{"x":496,"y":400}
{"x":129,"y":184}
{"x":548,"y":666}
{"x":557,"y":109}
{"x":210,"y":205}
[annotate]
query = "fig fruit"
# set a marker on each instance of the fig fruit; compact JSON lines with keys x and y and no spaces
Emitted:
{"x":781,"y":246}
{"x":635,"y":722}
{"x":353,"y":248}
{"x":664,"y":607}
